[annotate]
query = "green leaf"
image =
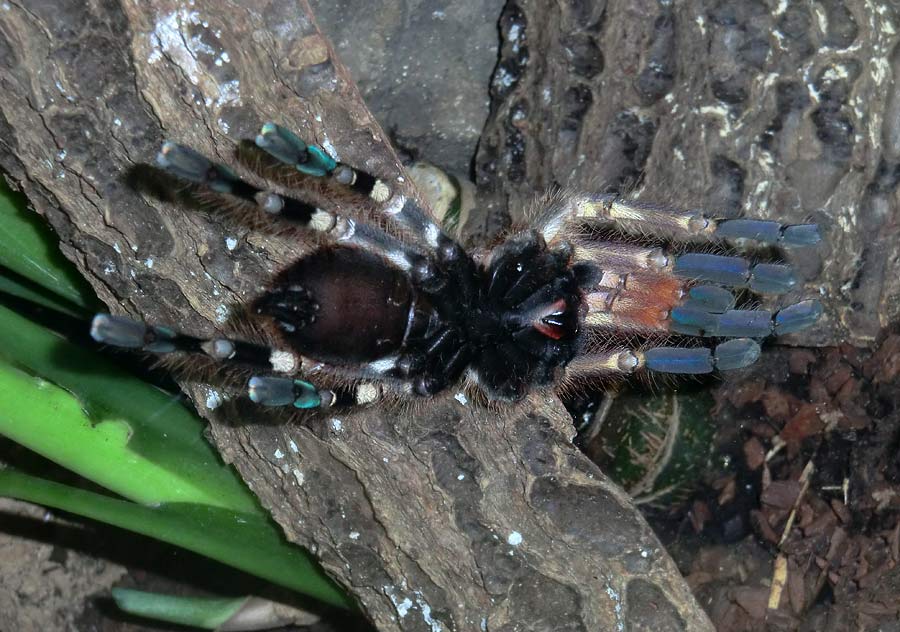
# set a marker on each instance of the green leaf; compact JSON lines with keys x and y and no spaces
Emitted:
{"x":50,"y":421}
{"x":28,"y":246}
{"x":214,"y":613}
{"x":245,"y":541}
{"x":19,"y":286}
{"x":200,"y":612}
{"x":120,"y":432}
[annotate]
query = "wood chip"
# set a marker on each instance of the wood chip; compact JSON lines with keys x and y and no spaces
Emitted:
{"x":796,"y":588}
{"x":781,"y":494}
{"x":753,"y":600}
{"x":841,"y":511}
{"x":754,"y":453}
{"x":799,"y":361}
{"x":699,"y":515}
{"x":778,"y":405}
{"x":838,"y":377}
{"x":804,"y":424}
{"x":765,"y":529}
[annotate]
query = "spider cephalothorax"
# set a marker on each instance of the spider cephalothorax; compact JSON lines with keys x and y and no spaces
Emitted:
{"x":410,"y":311}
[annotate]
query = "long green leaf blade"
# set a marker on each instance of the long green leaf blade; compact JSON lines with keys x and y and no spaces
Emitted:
{"x":29,"y":247}
{"x":18,"y":286}
{"x":199,"y":612}
{"x":120,"y":432}
{"x":50,"y":421}
{"x":248,"y":542}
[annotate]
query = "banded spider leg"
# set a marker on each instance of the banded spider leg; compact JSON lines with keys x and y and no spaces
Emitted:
{"x":653,"y":292}
{"x":124,"y":332}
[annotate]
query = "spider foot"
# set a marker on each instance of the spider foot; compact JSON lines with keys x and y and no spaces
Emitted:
{"x":119,"y":331}
{"x":280,"y":391}
{"x":187,"y":164}
{"x":286,"y":147}
{"x":766,"y":278}
{"x":729,"y":355}
{"x":751,"y":323}
{"x":709,"y":298}
{"x":768,"y":232}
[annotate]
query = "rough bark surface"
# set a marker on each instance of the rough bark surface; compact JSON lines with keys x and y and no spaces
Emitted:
{"x":782,"y":110}
{"x":446,"y":516}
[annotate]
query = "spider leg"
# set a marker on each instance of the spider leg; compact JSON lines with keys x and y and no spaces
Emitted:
{"x":642,"y":218}
{"x":404,"y":212}
{"x":285,"y":391}
{"x":192,"y":166}
{"x":736,"y":353}
{"x":658,"y":294}
{"x":124,"y":332}
{"x":738,"y":272}
{"x":647,"y":303}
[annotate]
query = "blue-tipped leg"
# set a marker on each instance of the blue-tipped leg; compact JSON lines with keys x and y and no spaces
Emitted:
{"x":692,"y":321}
{"x":190,"y":165}
{"x":755,"y":229}
{"x":279,"y":391}
{"x":801,"y":235}
{"x":710,"y":298}
{"x":284,"y":145}
{"x":131,"y":334}
{"x":727,"y":356}
{"x":679,"y":360}
{"x":772,"y":278}
{"x":768,"y":278}
{"x":748,"y":323}
{"x":796,"y":317}
{"x":769,"y":232}
{"x":732,"y":271}
{"x":736,"y":354}
{"x":119,"y":331}
{"x":744,"y":323}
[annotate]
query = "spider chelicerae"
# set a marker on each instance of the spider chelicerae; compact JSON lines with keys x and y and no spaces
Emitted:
{"x":596,"y":287}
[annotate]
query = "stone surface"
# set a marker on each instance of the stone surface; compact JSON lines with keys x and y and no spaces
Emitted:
{"x":422,"y":66}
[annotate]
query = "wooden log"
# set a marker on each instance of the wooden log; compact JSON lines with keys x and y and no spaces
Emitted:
{"x":444,"y":516}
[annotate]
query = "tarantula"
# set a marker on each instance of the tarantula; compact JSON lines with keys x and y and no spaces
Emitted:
{"x":585,"y":292}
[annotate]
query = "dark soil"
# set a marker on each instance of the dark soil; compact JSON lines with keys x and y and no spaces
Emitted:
{"x":802,"y":529}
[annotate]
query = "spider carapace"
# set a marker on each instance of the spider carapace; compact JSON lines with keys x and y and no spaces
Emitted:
{"x":597,"y":287}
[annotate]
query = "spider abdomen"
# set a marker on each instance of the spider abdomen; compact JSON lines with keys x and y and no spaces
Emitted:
{"x":340,"y":305}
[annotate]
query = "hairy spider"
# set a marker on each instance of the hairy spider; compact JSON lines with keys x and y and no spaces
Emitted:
{"x":595,"y":288}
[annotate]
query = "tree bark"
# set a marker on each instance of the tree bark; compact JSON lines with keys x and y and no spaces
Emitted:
{"x":446,"y":515}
